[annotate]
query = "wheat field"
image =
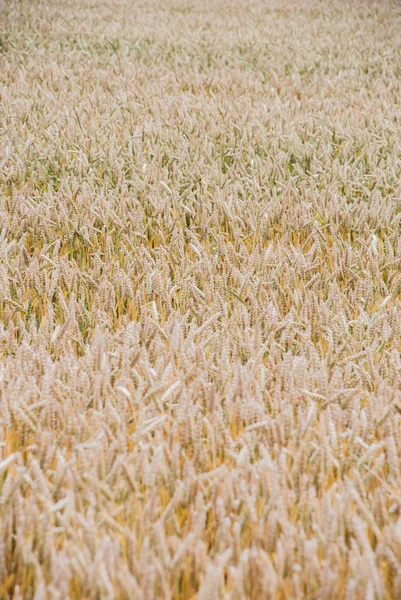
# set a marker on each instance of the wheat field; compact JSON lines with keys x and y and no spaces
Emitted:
{"x":200,"y":285}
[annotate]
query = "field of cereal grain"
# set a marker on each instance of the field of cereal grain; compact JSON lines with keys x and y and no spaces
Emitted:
{"x":200,"y":285}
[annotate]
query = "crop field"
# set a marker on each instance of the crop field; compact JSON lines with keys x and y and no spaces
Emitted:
{"x":200,"y":300}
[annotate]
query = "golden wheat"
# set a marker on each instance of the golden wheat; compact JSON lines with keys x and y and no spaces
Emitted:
{"x":200,"y":279}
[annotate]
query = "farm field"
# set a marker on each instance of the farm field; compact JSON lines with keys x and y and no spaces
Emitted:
{"x":200,"y":300}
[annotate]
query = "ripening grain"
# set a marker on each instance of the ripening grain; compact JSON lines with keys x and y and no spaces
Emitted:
{"x":200,"y":284}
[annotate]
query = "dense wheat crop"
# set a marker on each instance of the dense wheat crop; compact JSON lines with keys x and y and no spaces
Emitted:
{"x":200,"y":285}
